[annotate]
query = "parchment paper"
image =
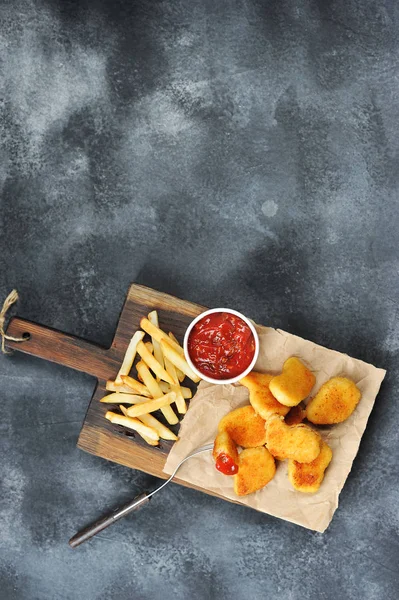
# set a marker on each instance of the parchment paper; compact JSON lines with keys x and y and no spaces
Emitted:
{"x":278,"y":498}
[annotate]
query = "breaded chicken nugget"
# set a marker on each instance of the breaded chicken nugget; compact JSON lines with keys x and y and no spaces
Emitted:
{"x":298,"y":442}
{"x":296,"y":415}
{"x":334,"y":402}
{"x":294,"y":384}
{"x":245,"y":427}
{"x":260,"y":397}
{"x":307,"y":477}
{"x":225,"y":454}
{"x":256,"y":468}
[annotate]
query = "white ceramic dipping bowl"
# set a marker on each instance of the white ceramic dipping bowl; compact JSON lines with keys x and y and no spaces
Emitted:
{"x":237,"y":314}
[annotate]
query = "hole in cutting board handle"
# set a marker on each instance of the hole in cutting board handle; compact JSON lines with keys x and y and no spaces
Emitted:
{"x":26,"y":335}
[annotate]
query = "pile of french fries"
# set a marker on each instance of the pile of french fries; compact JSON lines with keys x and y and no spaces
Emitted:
{"x":160,"y":371}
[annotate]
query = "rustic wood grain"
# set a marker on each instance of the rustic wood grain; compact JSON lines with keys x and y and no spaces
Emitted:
{"x":115,"y":443}
{"x":63,"y":349}
{"x":98,"y":436}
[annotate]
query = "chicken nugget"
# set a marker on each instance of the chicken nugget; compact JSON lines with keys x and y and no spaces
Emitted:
{"x":245,"y":427}
{"x":307,"y":477}
{"x":294,"y":384}
{"x":225,"y":454}
{"x":298,"y":442}
{"x":334,"y":402}
{"x":260,"y":396}
{"x":256,"y":468}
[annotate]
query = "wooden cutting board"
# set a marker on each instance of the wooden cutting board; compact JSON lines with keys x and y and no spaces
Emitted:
{"x":98,"y":436}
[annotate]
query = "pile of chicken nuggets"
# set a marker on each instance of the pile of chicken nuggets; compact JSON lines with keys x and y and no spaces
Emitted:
{"x":271,"y":428}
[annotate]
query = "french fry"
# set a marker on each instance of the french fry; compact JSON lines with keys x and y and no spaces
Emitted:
{"x":149,"y":347}
{"x":187,"y":393}
{"x":151,"y":405}
{"x":135,"y":385}
{"x":124,"y":398}
{"x":134,"y":424}
{"x":165,"y":387}
{"x":173,"y":337}
{"x":180,"y":402}
{"x":158,"y":334}
{"x":129,"y":356}
{"x":149,"y":381}
{"x":164,"y":432}
{"x":178,"y":360}
{"x":180,"y":374}
{"x":153,"y":364}
{"x":121,"y":388}
{"x":153,"y":318}
{"x":145,"y":438}
{"x":156,"y":391}
{"x":170,"y":415}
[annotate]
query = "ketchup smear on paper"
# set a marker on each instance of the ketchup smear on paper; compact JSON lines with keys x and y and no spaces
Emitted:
{"x":226,"y":465}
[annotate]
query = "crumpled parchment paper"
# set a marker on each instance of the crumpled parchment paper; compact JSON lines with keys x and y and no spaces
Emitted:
{"x":278,"y":498}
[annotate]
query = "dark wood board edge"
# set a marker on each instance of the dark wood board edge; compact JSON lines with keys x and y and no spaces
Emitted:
{"x":61,"y":348}
{"x":105,"y":445}
{"x":95,"y":417}
{"x":139,"y":301}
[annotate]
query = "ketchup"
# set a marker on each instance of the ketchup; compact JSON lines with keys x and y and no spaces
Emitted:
{"x":221,"y":345}
{"x":226,"y":465}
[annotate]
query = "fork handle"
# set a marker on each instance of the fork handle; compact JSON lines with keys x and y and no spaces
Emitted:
{"x":94,"y":528}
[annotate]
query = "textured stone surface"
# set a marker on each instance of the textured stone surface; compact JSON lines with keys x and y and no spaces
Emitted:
{"x":231,"y":153}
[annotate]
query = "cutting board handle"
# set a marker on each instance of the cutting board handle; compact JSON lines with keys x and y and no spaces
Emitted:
{"x":62,"y":348}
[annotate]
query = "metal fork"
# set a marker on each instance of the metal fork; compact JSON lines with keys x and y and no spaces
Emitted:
{"x":97,"y":526}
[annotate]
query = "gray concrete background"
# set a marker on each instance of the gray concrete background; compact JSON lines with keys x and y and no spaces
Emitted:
{"x":235,"y":153}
